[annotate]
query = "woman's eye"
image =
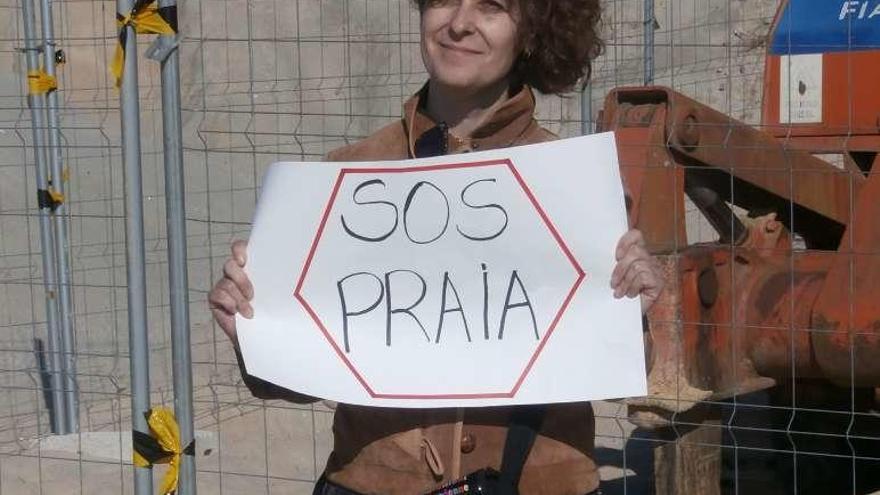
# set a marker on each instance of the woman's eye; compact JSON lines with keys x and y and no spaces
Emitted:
{"x":437,"y":3}
{"x":493,"y":5}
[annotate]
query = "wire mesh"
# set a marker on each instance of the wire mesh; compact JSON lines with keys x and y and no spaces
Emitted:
{"x":269,"y":80}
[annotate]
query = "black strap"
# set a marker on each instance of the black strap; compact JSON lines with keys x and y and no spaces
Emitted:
{"x":46,"y":201}
{"x":525,"y":421}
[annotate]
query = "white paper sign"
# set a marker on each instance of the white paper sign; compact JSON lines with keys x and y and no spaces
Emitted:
{"x":467,"y":280}
{"x":800,"y":89}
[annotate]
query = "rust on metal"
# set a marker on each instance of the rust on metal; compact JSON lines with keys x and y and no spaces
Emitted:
{"x":789,"y":292}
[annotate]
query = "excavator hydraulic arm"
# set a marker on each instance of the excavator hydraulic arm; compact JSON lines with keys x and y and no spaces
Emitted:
{"x":790,"y":289}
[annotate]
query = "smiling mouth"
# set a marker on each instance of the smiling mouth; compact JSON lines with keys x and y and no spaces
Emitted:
{"x":459,"y":49}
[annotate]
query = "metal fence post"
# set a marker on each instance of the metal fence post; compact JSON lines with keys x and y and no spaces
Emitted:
{"x":138,"y":341}
{"x":587,"y":109}
{"x":62,"y":244}
{"x":177,"y":265}
{"x":649,"y":42}
{"x":37,"y":104}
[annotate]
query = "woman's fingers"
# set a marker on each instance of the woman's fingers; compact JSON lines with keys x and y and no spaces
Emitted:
{"x":220,"y":298}
{"x":234,"y":269}
{"x":632,"y":238}
{"x":235,"y":272}
{"x":629,"y":247}
{"x":242,"y":303}
{"x":239,"y":252}
{"x":632,"y":282}
{"x":624,"y":266}
{"x":226,"y":322}
{"x":232,"y":294}
{"x":227,"y":297}
{"x":637,"y":272}
{"x":647,"y":281}
{"x":223,"y":308}
{"x":651,"y":287}
{"x":638,"y":282}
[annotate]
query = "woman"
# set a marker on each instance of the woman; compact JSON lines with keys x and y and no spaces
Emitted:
{"x":483,"y":58}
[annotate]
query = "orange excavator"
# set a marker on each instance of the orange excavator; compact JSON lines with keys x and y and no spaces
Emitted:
{"x":785,"y":303}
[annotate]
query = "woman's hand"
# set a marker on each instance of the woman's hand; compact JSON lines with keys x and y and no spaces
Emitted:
{"x":637,"y":272}
{"x":232,"y":293}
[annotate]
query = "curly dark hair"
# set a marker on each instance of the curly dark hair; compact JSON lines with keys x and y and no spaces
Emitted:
{"x":560,"y":40}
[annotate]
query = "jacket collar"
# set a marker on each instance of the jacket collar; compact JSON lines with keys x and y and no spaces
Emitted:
{"x":503,"y":129}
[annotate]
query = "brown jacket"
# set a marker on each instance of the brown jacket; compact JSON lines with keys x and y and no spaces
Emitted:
{"x":408,"y":452}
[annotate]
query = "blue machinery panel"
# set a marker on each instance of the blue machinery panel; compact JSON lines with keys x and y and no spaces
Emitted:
{"x":819,"y":26}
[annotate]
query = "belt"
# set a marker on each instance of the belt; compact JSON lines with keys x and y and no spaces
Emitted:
{"x":324,"y":487}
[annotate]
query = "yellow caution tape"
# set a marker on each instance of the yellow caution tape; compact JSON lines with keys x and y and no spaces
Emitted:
{"x":40,"y":82}
{"x":161,"y":446}
{"x":57,"y":197}
{"x":145,"y":18}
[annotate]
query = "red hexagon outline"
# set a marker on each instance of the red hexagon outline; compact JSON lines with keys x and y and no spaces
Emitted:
{"x":581,"y":275}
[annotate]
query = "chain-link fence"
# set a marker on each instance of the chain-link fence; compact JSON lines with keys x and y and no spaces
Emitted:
{"x":269,"y":80}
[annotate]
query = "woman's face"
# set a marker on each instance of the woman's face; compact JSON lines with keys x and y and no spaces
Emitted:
{"x":469,"y":45}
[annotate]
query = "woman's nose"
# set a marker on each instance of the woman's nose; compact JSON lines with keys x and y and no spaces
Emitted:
{"x":462,"y":21}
